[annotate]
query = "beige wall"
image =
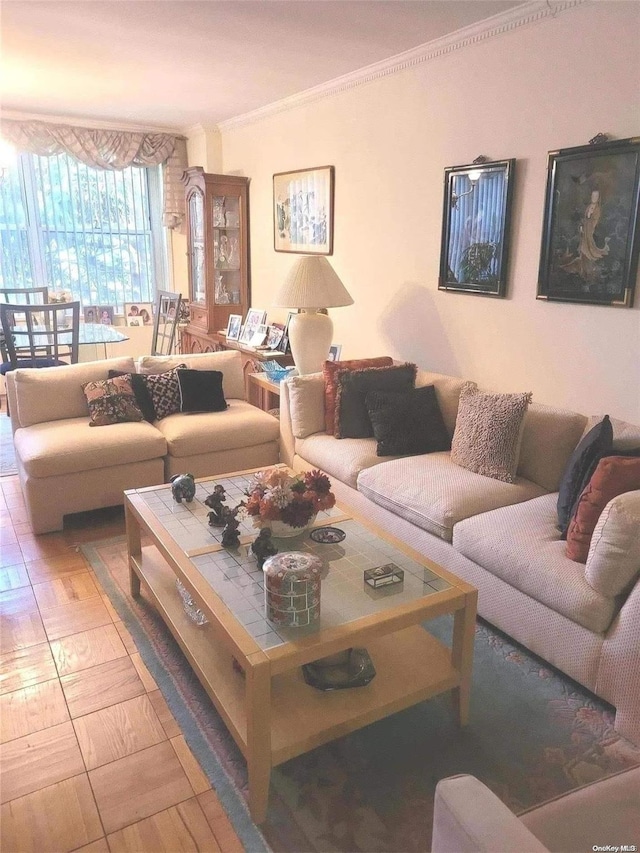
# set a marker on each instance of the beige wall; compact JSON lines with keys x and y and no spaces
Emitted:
{"x":541,"y":87}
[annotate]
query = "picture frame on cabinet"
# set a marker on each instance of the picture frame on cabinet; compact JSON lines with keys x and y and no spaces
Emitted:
{"x":253,"y":320}
{"x":303,"y":211}
{"x":476,"y":219}
{"x":284,"y":346}
{"x":274,"y":335}
{"x":334,"y":352}
{"x":590,"y":240}
{"x":233,"y":327}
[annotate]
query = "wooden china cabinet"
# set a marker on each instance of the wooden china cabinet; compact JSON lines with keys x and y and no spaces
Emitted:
{"x":218,"y":255}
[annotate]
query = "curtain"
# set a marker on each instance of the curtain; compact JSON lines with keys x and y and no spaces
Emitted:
{"x":110,"y":149}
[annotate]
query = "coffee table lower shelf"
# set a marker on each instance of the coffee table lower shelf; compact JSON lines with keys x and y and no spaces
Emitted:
{"x":411,"y":666}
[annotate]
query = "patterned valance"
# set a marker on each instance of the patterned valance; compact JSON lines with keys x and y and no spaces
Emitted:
{"x":109,"y":149}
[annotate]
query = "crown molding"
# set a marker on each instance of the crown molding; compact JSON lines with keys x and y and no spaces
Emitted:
{"x":520,"y":16}
{"x":198,"y":129}
{"x":93,"y":124}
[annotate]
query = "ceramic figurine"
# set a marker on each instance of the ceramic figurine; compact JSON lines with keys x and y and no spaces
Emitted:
{"x":263,"y":547}
{"x":183,"y":486}
{"x":215,"y":502}
{"x":231,"y":534}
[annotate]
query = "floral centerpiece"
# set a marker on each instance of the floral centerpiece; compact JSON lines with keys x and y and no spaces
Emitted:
{"x":288,"y":503}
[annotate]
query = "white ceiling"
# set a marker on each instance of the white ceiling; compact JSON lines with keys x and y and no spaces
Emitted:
{"x":176,"y":63}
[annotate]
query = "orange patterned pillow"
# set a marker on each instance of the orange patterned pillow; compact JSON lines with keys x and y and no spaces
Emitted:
{"x":330,"y":373}
{"x":613,"y":476}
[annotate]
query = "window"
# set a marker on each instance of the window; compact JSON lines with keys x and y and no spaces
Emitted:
{"x":95,"y":233}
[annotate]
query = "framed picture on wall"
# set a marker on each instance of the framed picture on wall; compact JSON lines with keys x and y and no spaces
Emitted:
{"x":303,"y":211}
{"x":590,"y":238}
{"x":476,"y":219}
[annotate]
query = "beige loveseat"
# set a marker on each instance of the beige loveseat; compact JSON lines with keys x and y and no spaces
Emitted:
{"x":67,"y":466}
{"x":604,"y":815}
{"x":502,"y":538}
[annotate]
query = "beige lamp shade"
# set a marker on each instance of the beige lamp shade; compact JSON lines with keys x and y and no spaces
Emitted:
{"x":312,"y":283}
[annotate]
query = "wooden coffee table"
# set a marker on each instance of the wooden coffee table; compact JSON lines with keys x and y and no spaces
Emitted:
{"x":271,"y":712}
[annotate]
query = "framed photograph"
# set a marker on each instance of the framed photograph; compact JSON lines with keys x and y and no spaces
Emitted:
{"x":259,"y":336}
{"x":303,"y":211}
{"x":90,"y":314}
{"x":233,"y":327}
{"x":590,"y":238}
{"x":283,"y":346}
{"x":105,"y":315}
{"x":253,"y":319}
{"x":274,"y":335}
{"x":334,"y":352}
{"x":476,"y":216}
{"x":138,"y":313}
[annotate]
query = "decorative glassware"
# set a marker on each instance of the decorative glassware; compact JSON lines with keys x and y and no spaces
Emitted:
{"x":193,"y":612}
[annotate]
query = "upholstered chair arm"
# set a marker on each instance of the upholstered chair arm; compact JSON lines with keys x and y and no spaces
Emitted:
{"x":469,"y":818}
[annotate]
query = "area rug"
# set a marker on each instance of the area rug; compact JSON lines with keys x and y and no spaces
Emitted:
{"x":533,"y":734}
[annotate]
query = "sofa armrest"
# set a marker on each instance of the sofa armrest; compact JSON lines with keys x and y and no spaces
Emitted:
{"x":469,"y":818}
{"x":12,"y":401}
{"x":287,"y":441}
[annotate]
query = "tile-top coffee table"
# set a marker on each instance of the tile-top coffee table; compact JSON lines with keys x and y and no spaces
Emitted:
{"x":271,"y":712}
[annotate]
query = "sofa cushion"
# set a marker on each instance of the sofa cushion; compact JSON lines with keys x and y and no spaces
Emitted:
{"x":71,"y":446}
{"x":343,"y":460}
{"x":330,"y":372}
{"x":229,"y":362}
{"x":306,"y":404}
{"x":578,"y":470}
{"x":488,"y":432}
{"x":613,"y":476}
{"x":352,"y":417}
{"x":448,"y":390}
{"x":111,"y":401}
{"x":614,"y":555}
{"x":56,"y":393}
{"x":407,"y":423}
{"x":435,"y":494}
{"x":241,"y":425}
{"x":548,"y":439}
{"x":522,"y":545}
{"x":201,"y":391}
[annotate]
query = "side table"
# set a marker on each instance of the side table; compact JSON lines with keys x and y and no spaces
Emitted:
{"x":263,"y":393}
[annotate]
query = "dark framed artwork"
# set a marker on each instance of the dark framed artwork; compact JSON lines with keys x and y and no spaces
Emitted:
{"x":283,"y":345}
{"x":303,"y":211}
{"x":476,"y":217}
{"x":590,"y":234}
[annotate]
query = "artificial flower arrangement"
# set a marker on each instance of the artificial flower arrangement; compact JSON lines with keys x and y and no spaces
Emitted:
{"x":292,"y":499}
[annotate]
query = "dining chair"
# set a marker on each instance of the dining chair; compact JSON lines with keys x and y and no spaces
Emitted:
{"x":45,"y":336}
{"x":165,"y":322}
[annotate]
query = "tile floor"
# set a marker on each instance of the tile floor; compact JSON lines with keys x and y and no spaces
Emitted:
{"x":91,"y":757}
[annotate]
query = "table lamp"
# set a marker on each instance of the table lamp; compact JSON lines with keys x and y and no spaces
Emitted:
{"x":311,"y":284}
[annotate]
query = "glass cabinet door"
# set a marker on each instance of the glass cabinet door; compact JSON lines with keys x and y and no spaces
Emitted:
{"x":196,"y":220}
{"x":226,"y":250}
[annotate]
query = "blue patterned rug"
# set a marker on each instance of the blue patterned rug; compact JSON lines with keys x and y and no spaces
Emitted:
{"x":533,"y":734}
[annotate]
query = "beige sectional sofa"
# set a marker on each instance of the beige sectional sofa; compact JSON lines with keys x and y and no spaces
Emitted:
{"x":66,"y":466}
{"x":502,"y":538}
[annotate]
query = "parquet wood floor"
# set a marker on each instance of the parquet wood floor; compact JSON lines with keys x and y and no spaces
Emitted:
{"x":90,"y":755}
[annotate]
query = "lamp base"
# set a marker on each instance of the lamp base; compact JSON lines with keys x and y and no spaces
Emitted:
{"x":310,"y":336}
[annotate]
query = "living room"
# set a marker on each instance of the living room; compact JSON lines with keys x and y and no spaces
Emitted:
{"x":535,"y":78}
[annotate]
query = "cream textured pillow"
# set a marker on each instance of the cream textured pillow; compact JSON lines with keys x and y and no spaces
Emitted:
{"x":306,"y":404}
{"x":488,"y":432}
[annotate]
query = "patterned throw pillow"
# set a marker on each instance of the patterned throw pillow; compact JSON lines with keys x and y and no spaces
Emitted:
{"x":488,"y":432}
{"x":330,"y":375}
{"x":111,"y":401}
{"x":165,"y":391}
{"x":614,"y":475}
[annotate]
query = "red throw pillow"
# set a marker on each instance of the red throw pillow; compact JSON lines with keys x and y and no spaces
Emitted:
{"x":613,"y":476}
{"x":330,"y":374}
